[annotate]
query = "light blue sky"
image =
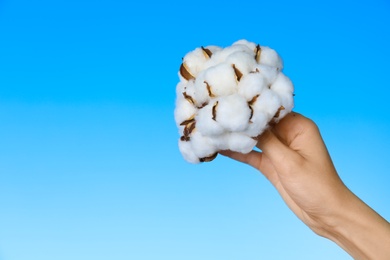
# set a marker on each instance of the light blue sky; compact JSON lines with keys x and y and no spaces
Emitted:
{"x":89,"y":164}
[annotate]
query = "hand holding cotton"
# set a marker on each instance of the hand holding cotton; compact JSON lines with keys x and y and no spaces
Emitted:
{"x":227,"y":97}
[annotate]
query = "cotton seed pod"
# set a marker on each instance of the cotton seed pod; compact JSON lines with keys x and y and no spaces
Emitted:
{"x":227,"y":97}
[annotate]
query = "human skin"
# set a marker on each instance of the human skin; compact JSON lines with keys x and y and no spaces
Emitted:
{"x":295,"y":160}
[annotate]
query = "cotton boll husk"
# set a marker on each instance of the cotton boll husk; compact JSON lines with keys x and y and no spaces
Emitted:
{"x":205,"y":123}
{"x":268,"y":72}
{"x":270,"y":57}
{"x":258,"y":124}
{"x":268,"y":103}
{"x":182,"y":79}
{"x":195,"y":61}
{"x":243,"y":61}
{"x":233,"y":113}
{"x":240,"y":142}
{"x":189,"y":90}
{"x":221,"y":79}
{"x":181,"y":129}
{"x":202,"y":146}
{"x":184,"y":110}
{"x":187,"y":152}
{"x":251,"y":85}
{"x":250,"y":45}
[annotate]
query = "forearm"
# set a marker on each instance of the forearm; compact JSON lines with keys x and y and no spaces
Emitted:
{"x":359,"y":230}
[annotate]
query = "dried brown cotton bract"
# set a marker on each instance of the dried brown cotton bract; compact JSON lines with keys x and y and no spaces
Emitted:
{"x":227,"y":97}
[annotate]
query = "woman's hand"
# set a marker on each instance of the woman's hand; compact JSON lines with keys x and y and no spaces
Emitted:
{"x":295,"y":160}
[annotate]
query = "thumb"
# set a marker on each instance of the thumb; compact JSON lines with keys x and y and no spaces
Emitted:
{"x":279,"y":154}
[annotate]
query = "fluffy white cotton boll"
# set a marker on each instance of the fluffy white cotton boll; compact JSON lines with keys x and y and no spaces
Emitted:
{"x":283,"y":86}
{"x":221,"y":142}
{"x":233,"y":113}
{"x":240,"y":142}
{"x":205,"y":123}
{"x":228,"y":96}
{"x":195,"y":61}
{"x":268,"y":103}
{"x":201,"y":93}
{"x":251,"y":85}
{"x":202,"y":146}
{"x":258,"y":123}
{"x":221,"y":80}
{"x":187,"y":152}
{"x":243,"y":61}
{"x":213,"y":48}
{"x":224,"y":53}
{"x":214,"y":60}
{"x":180,"y":89}
{"x":250,"y":45}
{"x":270,"y":57}
{"x":184,"y":110}
{"x":268,"y":72}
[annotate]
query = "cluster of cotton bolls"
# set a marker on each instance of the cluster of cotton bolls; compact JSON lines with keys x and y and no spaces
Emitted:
{"x":227,"y":97}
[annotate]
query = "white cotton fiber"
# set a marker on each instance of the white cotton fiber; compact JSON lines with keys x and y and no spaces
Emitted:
{"x":227,"y":97}
{"x":205,"y":121}
{"x":195,"y":61}
{"x":251,"y":85}
{"x":269,"y":73}
{"x":187,"y":152}
{"x":240,"y":142}
{"x":250,"y":45}
{"x":233,"y":113}
{"x":224,"y":53}
{"x":268,"y":103}
{"x":242,"y":61}
{"x":284,"y":88}
{"x":202,"y":145}
{"x":184,"y":110}
{"x":201,"y":90}
{"x":221,"y":80}
{"x":257,"y":124}
{"x":271,"y":58}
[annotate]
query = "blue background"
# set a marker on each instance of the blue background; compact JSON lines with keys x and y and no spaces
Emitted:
{"x":89,"y":164}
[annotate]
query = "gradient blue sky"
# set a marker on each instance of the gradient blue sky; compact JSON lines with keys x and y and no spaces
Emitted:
{"x":89,"y":164}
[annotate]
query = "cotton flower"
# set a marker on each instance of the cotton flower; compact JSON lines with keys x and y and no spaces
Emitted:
{"x":227,"y":97}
